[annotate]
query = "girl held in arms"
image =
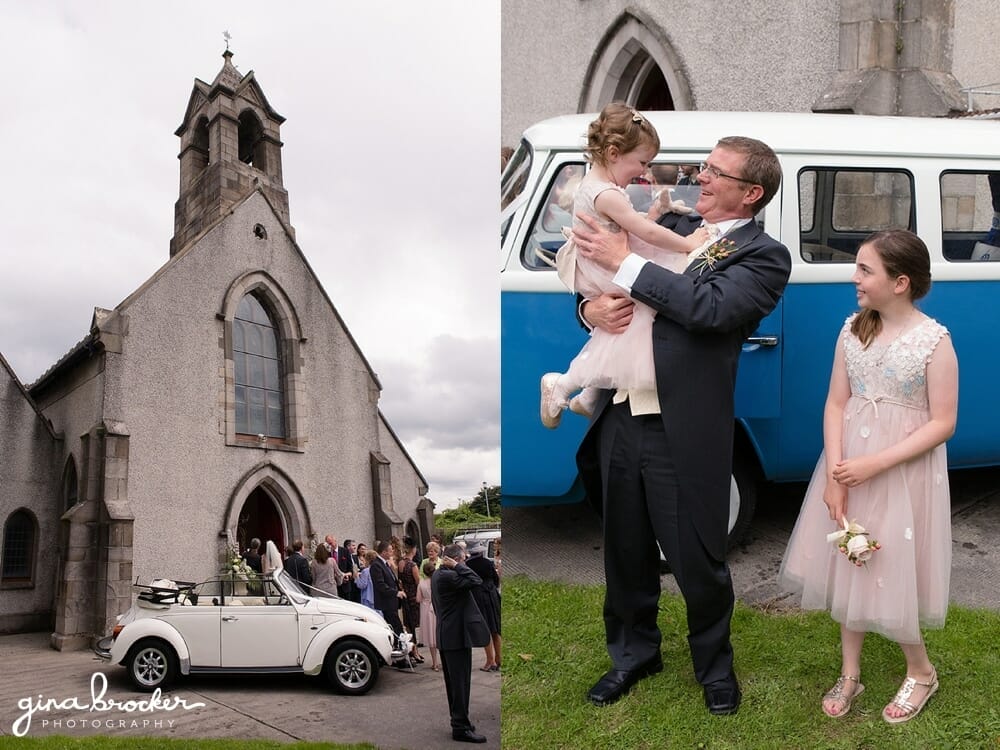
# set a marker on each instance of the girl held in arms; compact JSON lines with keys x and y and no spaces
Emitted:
{"x":620,"y":145}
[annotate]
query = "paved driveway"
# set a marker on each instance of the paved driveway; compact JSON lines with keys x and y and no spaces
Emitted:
{"x":404,"y":710}
{"x":563,"y":543}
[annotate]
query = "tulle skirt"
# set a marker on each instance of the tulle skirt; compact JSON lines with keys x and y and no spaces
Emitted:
{"x":905,"y":584}
{"x":619,"y":360}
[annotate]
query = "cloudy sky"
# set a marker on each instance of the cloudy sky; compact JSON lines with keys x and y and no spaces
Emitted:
{"x":390,"y":162}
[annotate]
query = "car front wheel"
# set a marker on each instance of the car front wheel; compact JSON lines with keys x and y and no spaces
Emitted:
{"x":151,"y":664}
{"x":352,"y":667}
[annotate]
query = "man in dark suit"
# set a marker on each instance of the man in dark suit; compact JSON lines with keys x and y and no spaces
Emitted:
{"x":657,"y":464}
{"x":297,"y":566}
{"x":347,"y":560}
{"x":460,"y":627}
{"x":386,"y":587}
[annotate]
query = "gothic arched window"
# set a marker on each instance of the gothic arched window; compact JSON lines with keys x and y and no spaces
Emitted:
{"x":70,"y":485}
{"x":257,"y":371}
{"x":251,"y":140}
{"x":19,"y":538}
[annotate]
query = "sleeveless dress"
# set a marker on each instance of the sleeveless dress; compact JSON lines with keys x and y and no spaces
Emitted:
{"x":609,"y":360}
{"x":428,"y":620}
{"x":906,"y":509}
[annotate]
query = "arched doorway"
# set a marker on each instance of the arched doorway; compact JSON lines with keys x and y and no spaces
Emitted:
{"x":635,"y":62}
{"x":259,"y":517}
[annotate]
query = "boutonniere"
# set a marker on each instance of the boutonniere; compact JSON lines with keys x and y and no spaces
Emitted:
{"x":719,"y":250}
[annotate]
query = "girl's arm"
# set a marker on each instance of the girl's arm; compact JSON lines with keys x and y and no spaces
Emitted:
{"x":942,"y":395}
{"x":835,"y":494}
{"x":616,"y":207}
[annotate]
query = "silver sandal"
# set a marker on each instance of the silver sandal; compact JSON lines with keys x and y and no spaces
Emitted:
{"x":902,"y":698}
{"x":836,"y":693}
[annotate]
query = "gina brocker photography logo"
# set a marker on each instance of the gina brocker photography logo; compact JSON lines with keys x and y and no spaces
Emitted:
{"x":98,"y":712}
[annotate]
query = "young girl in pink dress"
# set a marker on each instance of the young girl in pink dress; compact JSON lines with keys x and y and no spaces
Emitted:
{"x":892,"y":404}
{"x":620,"y":145}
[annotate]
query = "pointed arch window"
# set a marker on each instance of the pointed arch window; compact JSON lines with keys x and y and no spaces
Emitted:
{"x":20,"y":535}
{"x":70,"y":485}
{"x":257,"y":371}
{"x":251,"y":140}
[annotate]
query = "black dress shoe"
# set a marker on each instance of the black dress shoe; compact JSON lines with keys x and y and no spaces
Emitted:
{"x":467,"y":735}
{"x":617,"y":682}
{"x":723,"y":698}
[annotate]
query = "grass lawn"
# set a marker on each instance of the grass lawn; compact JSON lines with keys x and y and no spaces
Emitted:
{"x":554,"y":651}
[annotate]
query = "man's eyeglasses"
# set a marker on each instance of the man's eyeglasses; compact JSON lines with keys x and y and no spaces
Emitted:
{"x":715,"y":173}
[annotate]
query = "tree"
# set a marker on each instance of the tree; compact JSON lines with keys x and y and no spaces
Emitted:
{"x":487,"y":501}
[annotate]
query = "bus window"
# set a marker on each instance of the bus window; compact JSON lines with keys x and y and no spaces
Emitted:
{"x":838,"y":208}
{"x":515,"y":175}
{"x":556,"y":212}
{"x":970,"y":211}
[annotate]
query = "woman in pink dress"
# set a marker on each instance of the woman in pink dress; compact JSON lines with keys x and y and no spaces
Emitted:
{"x":428,"y":621}
{"x":892,"y":404}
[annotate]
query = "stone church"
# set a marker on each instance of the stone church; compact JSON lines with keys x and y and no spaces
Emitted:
{"x":224,"y":399}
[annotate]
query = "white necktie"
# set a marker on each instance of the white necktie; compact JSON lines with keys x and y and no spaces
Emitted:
{"x":713,"y":235}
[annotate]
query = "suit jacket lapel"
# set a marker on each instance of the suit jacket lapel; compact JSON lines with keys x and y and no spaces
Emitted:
{"x":741,"y":236}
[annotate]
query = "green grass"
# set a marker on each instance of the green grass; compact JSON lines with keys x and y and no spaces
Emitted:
{"x":59,"y":742}
{"x":554,"y":651}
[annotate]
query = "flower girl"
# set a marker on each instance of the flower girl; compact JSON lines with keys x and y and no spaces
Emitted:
{"x":880,"y":490}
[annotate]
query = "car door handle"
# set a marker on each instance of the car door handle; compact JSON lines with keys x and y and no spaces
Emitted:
{"x":230,"y":618}
{"x":763,"y":340}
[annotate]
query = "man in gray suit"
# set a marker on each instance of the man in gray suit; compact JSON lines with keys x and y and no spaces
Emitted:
{"x":657,"y":464}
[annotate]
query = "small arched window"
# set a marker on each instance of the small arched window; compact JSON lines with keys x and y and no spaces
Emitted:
{"x":19,"y":537}
{"x":251,"y":140}
{"x":70,"y":485}
{"x":257,"y":371}
{"x":200,"y":140}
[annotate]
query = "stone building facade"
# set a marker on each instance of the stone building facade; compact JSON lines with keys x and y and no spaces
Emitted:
{"x":862,"y":56}
{"x":224,"y":399}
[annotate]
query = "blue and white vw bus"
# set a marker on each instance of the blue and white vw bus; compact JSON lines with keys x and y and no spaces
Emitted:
{"x":845,"y":176}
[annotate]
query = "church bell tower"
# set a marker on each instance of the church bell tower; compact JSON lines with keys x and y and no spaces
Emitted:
{"x":230,"y":146}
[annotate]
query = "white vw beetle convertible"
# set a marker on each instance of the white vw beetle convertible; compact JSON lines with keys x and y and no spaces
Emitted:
{"x":262,"y":626}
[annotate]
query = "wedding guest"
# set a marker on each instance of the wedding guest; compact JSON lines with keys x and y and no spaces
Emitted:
{"x":386,"y":587}
{"x":460,"y":627}
{"x":296,"y":564}
{"x":488,"y":601}
{"x":365,"y":580}
{"x":428,"y":620}
{"x":433,"y":556}
{"x":892,"y":404}
{"x":409,"y":579}
{"x":252,"y":556}
{"x":326,"y":576}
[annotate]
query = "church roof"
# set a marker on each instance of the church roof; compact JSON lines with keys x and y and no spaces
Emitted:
{"x":5,"y":365}
{"x":229,"y":76}
{"x":402,"y":448}
{"x":229,"y":80}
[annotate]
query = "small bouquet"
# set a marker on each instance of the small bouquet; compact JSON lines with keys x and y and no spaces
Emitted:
{"x":719,"y":250}
{"x":855,"y":542}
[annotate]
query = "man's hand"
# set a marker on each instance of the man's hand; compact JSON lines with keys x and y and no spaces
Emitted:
{"x":607,"y":249}
{"x":609,"y":312}
{"x":448,"y":562}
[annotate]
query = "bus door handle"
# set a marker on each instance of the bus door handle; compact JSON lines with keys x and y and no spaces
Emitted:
{"x":753,"y":343}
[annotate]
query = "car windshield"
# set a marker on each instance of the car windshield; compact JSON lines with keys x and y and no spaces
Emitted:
{"x":288,"y":584}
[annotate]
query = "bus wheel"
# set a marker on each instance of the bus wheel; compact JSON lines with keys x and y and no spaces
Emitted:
{"x":742,"y":499}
